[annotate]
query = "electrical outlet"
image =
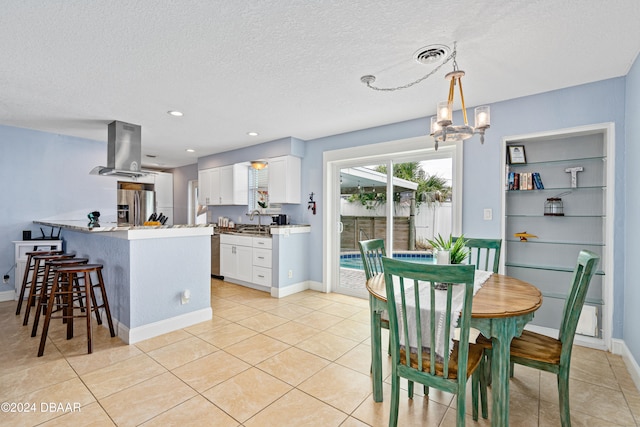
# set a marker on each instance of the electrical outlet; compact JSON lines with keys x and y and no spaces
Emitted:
{"x":488,"y":214}
{"x":5,"y":279}
{"x":290,"y":274}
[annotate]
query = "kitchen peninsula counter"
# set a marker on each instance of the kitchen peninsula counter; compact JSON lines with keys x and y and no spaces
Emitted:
{"x":146,"y":271}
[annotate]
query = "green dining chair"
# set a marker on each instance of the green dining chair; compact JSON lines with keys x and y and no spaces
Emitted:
{"x":371,"y":252}
{"x":554,"y":354}
{"x":484,"y":253}
{"x":412,"y":296}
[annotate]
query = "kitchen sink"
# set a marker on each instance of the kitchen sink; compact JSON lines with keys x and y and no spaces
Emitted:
{"x":264,"y":231}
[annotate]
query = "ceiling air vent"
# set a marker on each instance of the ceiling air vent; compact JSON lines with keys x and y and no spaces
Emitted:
{"x":432,"y":54}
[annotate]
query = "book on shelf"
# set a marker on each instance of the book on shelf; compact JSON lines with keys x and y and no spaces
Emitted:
{"x":537,"y":181}
{"x":524,"y":181}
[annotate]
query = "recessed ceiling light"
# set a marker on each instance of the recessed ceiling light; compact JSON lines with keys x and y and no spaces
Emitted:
{"x":190,"y":150}
{"x":253,"y":133}
{"x":175,"y":113}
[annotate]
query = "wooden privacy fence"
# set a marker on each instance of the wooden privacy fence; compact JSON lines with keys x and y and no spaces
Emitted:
{"x":357,"y":228}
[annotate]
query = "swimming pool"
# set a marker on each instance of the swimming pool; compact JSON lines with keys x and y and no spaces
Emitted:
{"x":355,"y":261}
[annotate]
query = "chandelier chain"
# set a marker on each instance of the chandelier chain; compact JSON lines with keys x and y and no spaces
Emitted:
{"x":370,"y":79}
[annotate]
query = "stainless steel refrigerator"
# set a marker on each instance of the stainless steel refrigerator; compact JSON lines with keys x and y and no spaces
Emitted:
{"x":136,"y":202}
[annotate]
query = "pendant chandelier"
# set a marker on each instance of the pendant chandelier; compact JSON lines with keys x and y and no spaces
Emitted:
{"x":442,"y":127}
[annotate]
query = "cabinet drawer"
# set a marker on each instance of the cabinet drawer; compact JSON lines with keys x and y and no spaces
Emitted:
{"x":262,"y":242}
{"x":262,"y":276}
{"x":233,"y":239}
{"x":262,"y":257}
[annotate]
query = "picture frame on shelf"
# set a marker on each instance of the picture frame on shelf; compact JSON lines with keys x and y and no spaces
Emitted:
{"x":517,"y":155}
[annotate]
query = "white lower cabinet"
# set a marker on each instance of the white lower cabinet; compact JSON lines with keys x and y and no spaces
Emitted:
{"x":262,"y":261}
{"x":246,"y":259}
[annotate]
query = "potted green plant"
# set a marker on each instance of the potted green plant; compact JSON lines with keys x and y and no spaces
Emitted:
{"x":457,"y":250}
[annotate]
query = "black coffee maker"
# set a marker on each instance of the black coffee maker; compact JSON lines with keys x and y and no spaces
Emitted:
{"x":280,"y":219}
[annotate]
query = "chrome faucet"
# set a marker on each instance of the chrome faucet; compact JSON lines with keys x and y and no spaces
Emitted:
{"x":259,"y":220}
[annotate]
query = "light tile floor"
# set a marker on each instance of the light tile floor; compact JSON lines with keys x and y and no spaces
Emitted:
{"x":296,"y":361}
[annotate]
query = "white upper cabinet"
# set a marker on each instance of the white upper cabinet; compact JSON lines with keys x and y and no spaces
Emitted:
{"x":226,"y":185}
{"x":164,"y":195}
{"x":204,"y":186}
{"x":284,"y":179}
{"x":164,"y":189}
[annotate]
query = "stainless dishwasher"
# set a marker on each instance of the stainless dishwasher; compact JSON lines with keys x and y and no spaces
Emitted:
{"x":215,"y":256}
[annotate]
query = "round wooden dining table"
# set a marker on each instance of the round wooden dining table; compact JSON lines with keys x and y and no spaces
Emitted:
{"x":501,"y":309}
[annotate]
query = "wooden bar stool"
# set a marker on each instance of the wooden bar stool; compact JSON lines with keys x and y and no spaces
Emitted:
{"x":36,"y":280}
{"x":45,"y":290}
{"x":26,"y":279}
{"x":63,"y":281}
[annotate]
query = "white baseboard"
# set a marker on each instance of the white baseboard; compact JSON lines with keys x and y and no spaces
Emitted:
{"x":141,"y":333}
{"x":290,"y":290}
{"x":316,"y":286}
{"x":619,"y":347}
{"x":8,"y":296}
{"x":248,"y":284}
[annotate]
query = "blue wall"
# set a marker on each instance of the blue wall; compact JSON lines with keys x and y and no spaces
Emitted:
{"x":632,"y":224}
{"x":589,"y":104}
{"x":46,"y":175}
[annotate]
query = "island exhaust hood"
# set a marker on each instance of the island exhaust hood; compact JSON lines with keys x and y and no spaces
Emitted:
{"x":124,"y":151}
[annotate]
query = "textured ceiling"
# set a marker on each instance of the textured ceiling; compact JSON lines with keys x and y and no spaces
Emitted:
{"x":286,"y":67}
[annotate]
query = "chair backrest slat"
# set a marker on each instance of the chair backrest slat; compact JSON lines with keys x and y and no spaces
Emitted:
{"x":484,"y":253}
{"x":582,"y":274}
{"x":371,"y":252}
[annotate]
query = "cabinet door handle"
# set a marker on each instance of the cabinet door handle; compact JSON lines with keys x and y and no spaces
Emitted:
{"x":261,"y":276}
{"x":260,"y":257}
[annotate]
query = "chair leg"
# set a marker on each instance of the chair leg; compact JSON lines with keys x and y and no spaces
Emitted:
{"x":563,"y":396}
{"x":47,"y":318}
{"x":105,"y":303}
{"x":487,"y":366}
{"x":475,"y":386}
{"x":483,"y":393}
{"x":462,"y":403}
{"x":479,"y":384}
{"x":25,"y":281}
{"x":376,"y":356}
{"x":395,"y":400}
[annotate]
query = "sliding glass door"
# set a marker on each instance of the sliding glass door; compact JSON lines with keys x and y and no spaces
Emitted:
{"x":363,"y":216}
{"x":405,"y":208}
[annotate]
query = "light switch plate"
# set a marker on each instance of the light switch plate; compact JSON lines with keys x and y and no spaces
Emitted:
{"x":488,"y":214}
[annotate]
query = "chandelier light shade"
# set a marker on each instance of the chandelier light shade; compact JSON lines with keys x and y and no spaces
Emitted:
{"x":258,"y":164}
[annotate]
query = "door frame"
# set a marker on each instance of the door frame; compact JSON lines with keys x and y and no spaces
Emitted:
{"x":399,"y":151}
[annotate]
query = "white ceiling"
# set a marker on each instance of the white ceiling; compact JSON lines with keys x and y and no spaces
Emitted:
{"x":286,"y":67}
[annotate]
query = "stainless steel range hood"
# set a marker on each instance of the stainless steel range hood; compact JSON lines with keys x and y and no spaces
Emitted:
{"x":124,"y":151}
